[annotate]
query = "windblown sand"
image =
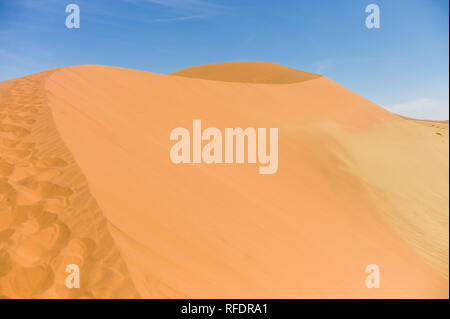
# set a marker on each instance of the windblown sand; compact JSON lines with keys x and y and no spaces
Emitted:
{"x":85,"y":178}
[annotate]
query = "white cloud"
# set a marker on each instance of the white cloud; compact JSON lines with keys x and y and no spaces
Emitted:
{"x":180,"y":10}
{"x":189,"y":8}
{"x":183,"y":18}
{"x":180,"y":3}
{"x":423,"y":108}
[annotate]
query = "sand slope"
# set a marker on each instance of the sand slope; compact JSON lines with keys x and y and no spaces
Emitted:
{"x":356,"y":185}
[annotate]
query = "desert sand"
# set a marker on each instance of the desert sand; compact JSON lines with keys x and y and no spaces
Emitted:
{"x":85,"y":178}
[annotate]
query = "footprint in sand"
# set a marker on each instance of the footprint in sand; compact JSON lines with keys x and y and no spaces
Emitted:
{"x":18,"y":131}
{"x":6,"y":217}
{"x":21,"y":119}
{"x":22,"y":171}
{"x":32,"y":246}
{"x":16,"y":153}
{"x":5,"y":168}
{"x":26,"y":282}
{"x":5,"y":261}
{"x":11,"y":143}
{"x":8,"y":194}
{"x":31,"y":191}
{"x":55,"y":205}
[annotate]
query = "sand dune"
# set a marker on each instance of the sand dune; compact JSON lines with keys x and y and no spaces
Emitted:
{"x":247,"y":72}
{"x":86,"y":178}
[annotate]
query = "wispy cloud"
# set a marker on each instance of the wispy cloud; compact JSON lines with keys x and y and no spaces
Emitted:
{"x":175,"y":10}
{"x":182,"y":3}
{"x":186,"y":9}
{"x":174,"y":19}
{"x":423,"y":108}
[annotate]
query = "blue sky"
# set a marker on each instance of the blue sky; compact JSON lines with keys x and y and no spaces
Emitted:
{"x":403,"y":66}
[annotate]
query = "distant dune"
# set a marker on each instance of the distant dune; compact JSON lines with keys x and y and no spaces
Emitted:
{"x":85,"y":178}
{"x":247,"y":72}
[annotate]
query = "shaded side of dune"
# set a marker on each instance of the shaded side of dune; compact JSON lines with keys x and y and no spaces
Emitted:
{"x":48,"y":217}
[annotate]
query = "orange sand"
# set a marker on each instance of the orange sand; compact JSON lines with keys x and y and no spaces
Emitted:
{"x":356,"y":185}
